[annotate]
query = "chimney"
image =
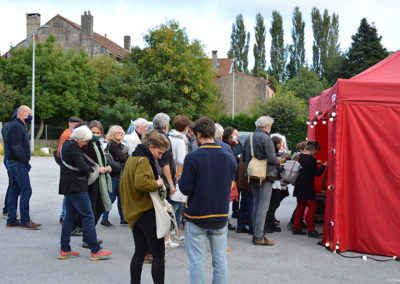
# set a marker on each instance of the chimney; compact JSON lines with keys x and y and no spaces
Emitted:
{"x":32,"y":22}
{"x":127,"y":42}
{"x":214,"y":61}
{"x":87,"y":24}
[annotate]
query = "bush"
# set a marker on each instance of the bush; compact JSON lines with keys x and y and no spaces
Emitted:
{"x":297,"y":133}
{"x":241,"y":122}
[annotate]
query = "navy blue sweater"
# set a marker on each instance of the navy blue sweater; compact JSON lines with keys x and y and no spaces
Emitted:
{"x":207,"y":178}
{"x":18,"y":148}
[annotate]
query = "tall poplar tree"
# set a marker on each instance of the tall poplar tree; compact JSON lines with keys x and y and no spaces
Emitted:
{"x":297,"y":50}
{"x":239,"y":44}
{"x":259,"y":46}
{"x":278,"y":58}
{"x":326,"y":35}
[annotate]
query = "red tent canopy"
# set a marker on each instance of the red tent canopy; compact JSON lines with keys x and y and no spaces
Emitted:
{"x":361,"y":143}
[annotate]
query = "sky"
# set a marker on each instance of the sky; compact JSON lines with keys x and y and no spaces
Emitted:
{"x":209,"y":21}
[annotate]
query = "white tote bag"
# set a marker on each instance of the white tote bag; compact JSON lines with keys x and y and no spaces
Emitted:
{"x":178,"y":196}
{"x":163,"y":219}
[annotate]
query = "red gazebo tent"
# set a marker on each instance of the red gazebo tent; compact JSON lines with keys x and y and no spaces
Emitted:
{"x":361,"y":139}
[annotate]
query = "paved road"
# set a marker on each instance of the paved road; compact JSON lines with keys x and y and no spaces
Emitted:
{"x":30,"y":256}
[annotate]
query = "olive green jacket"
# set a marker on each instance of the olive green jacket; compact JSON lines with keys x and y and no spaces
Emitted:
{"x":136,"y":182}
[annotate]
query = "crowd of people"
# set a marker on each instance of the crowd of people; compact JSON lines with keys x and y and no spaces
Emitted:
{"x":202,"y":166}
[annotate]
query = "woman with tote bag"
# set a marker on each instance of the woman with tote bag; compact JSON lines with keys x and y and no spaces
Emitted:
{"x":139,"y":179}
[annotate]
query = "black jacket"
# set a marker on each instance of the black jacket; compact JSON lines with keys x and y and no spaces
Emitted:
{"x":116,"y":151}
{"x":304,"y":186}
{"x":73,"y":181}
{"x":17,"y":145}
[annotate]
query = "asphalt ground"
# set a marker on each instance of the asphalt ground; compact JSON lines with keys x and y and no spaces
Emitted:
{"x":31,"y":256}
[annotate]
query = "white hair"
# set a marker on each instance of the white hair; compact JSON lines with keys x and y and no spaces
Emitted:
{"x":140,"y":122}
{"x":219,"y":131}
{"x":82,"y":133}
{"x":160,"y":121}
{"x":263,"y":121}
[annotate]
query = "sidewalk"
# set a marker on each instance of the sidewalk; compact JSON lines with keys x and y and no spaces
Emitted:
{"x":31,"y":256}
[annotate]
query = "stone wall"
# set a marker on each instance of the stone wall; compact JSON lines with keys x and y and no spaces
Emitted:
{"x":248,"y":90}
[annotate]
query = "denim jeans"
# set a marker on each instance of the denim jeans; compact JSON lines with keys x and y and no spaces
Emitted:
{"x":178,"y":208}
{"x":62,"y":215}
{"x":261,"y":199}
{"x":20,"y":185}
{"x":8,"y":188}
{"x":113,"y":195}
{"x":79,"y":203}
{"x":196,"y":244}
{"x":245,"y":209}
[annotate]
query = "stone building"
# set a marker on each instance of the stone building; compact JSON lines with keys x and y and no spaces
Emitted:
{"x":72,"y":36}
{"x":245,"y":89}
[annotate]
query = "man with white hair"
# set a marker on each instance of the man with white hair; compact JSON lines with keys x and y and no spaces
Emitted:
{"x":219,"y":131}
{"x":18,"y":156}
{"x":263,"y":150}
{"x":134,"y":138}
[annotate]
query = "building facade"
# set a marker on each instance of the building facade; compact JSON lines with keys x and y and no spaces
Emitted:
{"x":238,"y":88}
{"x":72,"y":36}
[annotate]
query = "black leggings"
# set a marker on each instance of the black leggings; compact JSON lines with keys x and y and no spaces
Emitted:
{"x":145,"y":238}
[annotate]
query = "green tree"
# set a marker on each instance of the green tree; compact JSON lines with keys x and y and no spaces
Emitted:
{"x":65,"y":82}
{"x":284,"y":108}
{"x":325,"y":44}
{"x":278,"y":52}
{"x":297,"y":50}
{"x":366,"y":49}
{"x":173,"y":75}
{"x":8,"y":97}
{"x":239,"y":44}
{"x":259,"y":46}
{"x":306,"y":84}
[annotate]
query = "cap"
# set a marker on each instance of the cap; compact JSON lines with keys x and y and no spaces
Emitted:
{"x":74,"y":119}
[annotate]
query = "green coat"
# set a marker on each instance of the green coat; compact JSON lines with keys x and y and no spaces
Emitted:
{"x":136,"y":182}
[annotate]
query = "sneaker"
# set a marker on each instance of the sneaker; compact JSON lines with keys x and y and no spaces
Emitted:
{"x":85,"y":244}
{"x":67,"y":254}
{"x":13,"y":225}
{"x":314,"y":234}
{"x":231,"y":227}
{"x":77,"y":232}
{"x":123,"y":223}
{"x":30,"y":225}
{"x":271,"y":229}
{"x":101,"y":254}
{"x":107,"y":224}
{"x":180,"y":238}
{"x":171,"y":244}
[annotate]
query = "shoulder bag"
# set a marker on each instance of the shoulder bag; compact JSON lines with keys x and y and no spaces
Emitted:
{"x":115,"y":165}
{"x":256,"y":169}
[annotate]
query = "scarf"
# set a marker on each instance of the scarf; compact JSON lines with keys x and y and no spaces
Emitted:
{"x":143,"y":151}
{"x":105,"y":185}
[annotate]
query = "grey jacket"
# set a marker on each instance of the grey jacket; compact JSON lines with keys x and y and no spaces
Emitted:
{"x":263,"y":149}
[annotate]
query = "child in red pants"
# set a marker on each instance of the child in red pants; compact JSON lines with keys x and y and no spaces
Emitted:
{"x":304,"y":189}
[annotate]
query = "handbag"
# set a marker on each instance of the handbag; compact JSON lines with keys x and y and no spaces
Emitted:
{"x":291,"y":170}
{"x":92,"y":176}
{"x":178,"y":196}
{"x":164,"y":215}
{"x":256,"y":169}
{"x":95,"y":174}
{"x":242,"y":182}
{"x":115,"y":165}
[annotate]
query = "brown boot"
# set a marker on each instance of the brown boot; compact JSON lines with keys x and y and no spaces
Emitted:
{"x":263,"y":242}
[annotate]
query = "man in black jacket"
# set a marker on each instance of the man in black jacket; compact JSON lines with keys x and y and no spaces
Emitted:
{"x":18,"y":156}
{"x":4,"y":130}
